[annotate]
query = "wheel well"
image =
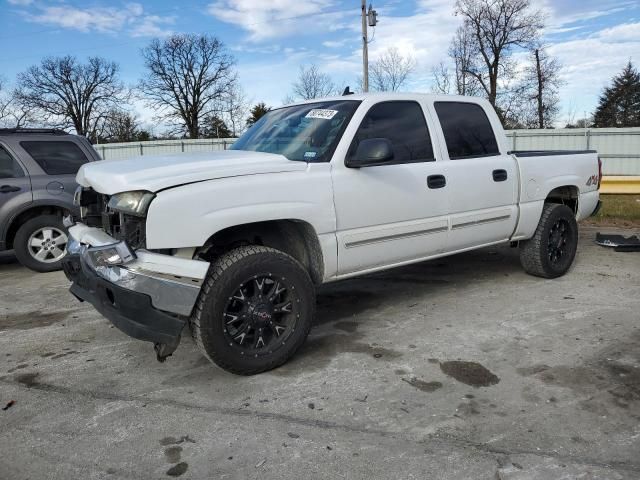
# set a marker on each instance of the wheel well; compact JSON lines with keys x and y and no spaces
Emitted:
{"x":566,"y":195}
{"x":293,"y":237}
{"x":27,"y":215}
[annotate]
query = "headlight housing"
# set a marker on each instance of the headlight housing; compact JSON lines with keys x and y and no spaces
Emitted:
{"x":134,"y":203}
{"x":109,"y":255}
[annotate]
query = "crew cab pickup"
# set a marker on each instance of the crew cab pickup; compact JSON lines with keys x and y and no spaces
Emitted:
{"x":231,"y":244}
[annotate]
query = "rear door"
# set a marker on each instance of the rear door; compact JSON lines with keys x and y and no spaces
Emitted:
{"x":59,"y":161}
{"x":482,"y":182}
{"x":15,"y":189}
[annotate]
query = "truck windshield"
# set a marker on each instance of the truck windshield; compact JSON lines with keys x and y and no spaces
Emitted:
{"x":306,"y":132}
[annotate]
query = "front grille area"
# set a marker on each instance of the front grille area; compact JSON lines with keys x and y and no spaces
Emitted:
{"x":125,"y":227}
{"x":96,"y":213}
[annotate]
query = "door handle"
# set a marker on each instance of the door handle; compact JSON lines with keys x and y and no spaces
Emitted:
{"x":436,"y":181}
{"x":499,"y":175}
{"x":9,"y":189}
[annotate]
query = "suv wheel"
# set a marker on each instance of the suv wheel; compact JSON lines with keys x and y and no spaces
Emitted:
{"x":40,"y":243}
{"x":254,"y":311}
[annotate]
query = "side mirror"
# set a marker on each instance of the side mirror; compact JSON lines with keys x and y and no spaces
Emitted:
{"x":371,"y":152}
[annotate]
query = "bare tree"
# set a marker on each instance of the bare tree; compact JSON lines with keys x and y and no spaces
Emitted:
{"x":492,"y":29}
{"x":121,"y":126}
{"x":312,"y":83}
{"x":234,"y":109}
{"x":461,"y":51}
{"x":65,"y":93}
{"x":187,"y":77}
{"x":5,"y":100}
{"x":441,"y":79}
{"x":542,"y":78}
{"x":390,"y":72}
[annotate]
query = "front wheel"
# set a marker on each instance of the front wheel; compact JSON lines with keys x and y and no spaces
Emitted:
{"x":551,"y":250}
{"x":255,"y":310}
{"x":41,"y":243}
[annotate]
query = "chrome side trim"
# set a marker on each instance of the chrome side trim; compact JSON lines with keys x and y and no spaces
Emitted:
{"x":166,"y":276}
{"x":480,"y":222}
{"x":397,"y":236}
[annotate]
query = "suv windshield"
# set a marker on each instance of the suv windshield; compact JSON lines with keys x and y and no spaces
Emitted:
{"x":306,"y":132}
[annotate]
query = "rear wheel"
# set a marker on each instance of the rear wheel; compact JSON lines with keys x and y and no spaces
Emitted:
{"x":550,"y":253}
{"x":41,"y":243}
{"x":254,"y":311}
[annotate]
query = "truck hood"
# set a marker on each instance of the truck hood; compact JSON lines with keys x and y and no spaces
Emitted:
{"x":155,"y":173}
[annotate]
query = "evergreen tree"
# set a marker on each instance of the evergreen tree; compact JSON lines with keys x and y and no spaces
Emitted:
{"x":620,"y":103}
{"x":214,"y":127}
{"x":257,"y":111}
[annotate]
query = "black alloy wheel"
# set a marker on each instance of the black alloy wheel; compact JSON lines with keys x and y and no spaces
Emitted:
{"x":261,"y":314}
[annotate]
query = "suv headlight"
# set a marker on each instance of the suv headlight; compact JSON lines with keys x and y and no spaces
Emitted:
{"x":133,"y":203}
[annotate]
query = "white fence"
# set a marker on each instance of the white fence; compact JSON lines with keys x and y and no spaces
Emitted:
{"x":119,"y":151}
{"x":619,"y":148}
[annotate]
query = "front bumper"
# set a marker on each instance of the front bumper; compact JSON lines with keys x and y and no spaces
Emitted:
{"x":148,"y":296}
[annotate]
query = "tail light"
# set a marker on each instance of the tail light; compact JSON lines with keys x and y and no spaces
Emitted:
{"x":599,"y":172}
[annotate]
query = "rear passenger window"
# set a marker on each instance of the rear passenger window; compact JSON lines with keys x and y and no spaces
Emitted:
{"x":56,"y":158}
{"x":9,"y":168}
{"x":467,"y":130}
{"x":403,"y":124}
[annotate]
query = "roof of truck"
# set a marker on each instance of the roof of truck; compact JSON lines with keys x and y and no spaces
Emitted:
{"x":381,"y":96}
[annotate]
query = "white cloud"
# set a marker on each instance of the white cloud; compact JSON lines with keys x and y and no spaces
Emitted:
{"x":152,"y":26}
{"x":130,"y":19}
{"x":334,"y":43}
{"x":590,"y":63}
{"x":279,"y":18}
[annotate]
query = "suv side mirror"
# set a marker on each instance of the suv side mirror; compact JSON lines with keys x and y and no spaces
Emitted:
{"x":371,"y":152}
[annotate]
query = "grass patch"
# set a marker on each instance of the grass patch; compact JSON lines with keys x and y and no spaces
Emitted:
{"x":618,"y":209}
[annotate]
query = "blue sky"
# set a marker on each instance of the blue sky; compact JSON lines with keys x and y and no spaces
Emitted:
{"x":271,"y":39}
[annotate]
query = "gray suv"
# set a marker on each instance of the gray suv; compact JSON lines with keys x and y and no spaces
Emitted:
{"x":37,"y":181}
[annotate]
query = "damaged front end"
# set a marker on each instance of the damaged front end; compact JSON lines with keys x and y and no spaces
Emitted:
{"x":147,"y":295}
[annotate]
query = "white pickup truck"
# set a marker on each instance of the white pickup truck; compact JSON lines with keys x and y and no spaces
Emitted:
{"x":232,"y":243}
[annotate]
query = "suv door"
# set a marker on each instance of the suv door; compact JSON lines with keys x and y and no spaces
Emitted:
{"x":388,"y":214}
{"x":483,"y":183}
{"x":15,"y":189}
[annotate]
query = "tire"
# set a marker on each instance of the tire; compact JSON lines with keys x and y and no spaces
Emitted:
{"x":243,"y":320}
{"x":40,"y":243}
{"x":551,"y":250}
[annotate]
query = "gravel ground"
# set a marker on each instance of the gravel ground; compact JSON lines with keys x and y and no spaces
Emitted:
{"x":460,"y":368}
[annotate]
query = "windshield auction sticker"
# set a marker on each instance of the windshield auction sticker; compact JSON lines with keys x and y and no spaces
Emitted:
{"x":321,"y":113}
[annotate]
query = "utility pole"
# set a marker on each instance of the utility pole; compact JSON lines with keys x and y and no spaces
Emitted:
{"x":540,"y":88}
{"x":365,"y":49}
{"x":370,"y":18}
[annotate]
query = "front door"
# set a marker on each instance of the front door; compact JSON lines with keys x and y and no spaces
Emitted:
{"x":395,"y":212}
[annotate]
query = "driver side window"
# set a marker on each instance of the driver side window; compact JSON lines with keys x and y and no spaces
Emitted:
{"x":403,"y":124}
{"x":8,"y":166}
